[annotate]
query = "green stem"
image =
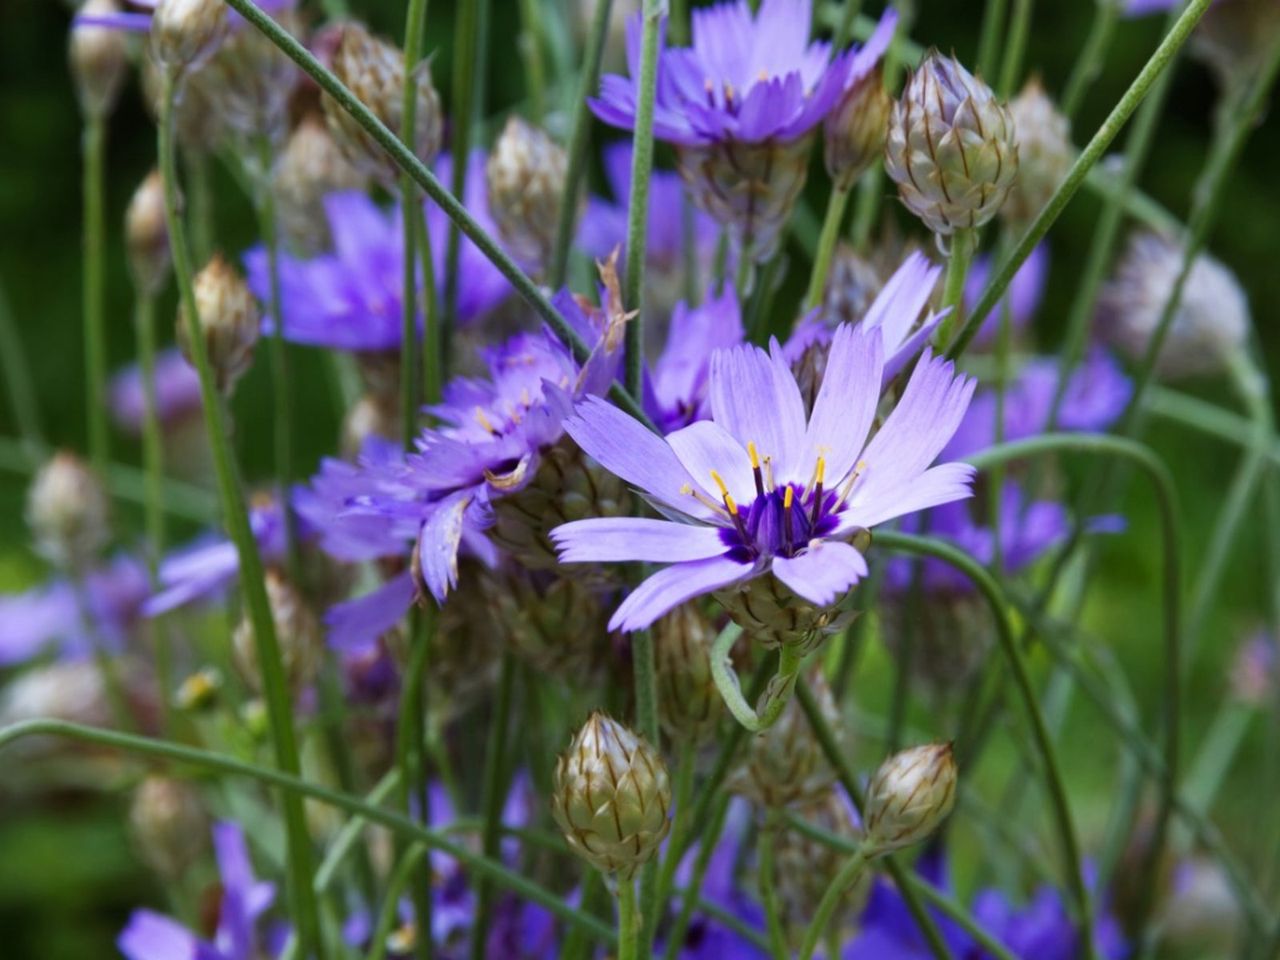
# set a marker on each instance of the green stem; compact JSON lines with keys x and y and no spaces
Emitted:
{"x":432,"y":344}
{"x":638,"y":202}
{"x":236,"y":517}
{"x":1207,"y":418}
{"x":769,"y":890}
{"x":535,"y":72}
{"x":1092,"y":56}
{"x":849,"y":780}
{"x":200,"y":215}
{"x":683,"y":793}
{"x":17,"y":377}
{"x":1091,"y":154}
{"x":628,"y":921}
{"x":645,"y":672}
{"x":963,"y":245}
{"x":294,"y":785}
{"x":95,"y":334}
{"x":826,"y":246}
{"x":689,"y":899}
{"x":1015,"y":48}
{"x":494,"y":795}
{"x":390,"y":912}
{"x":350,"y":834}
{"x":989,"y":41}
{"x":578,"y":140}
{"x":414,"y":27}
{"x":411,"y":755}
{"x":777,"y":692}
{"x":845,"y":879}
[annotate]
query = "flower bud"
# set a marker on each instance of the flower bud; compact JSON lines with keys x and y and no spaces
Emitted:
{"x":146,"y":236}
{"x":168,"y":825}
{"x":68,"y":512}
{"x":773,"y":615}
{"x":1212,"y":320}
{"x":525,"y":176}
{"x":99,"y":59}
{"x":691,"y":706}
{"x":854,"y":131}
{"x":310,"y":167}
{"x":785,"y":764}
{"x":750,"y":188}
{"x":611,"y":796}
{"x":374,"y":71}
{"x":951,"y":147}
{"x":555,"y":624}
{"x":1045,"y":153}
{"x":805,"y":867}
{"x":298,"y":635}
{"x":911,"y":793}
{"x":184,"y":33}
{"x":228,"y":319}
{"x":249,"y":81}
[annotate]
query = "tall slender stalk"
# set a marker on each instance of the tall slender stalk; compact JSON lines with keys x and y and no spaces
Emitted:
{"x":415,"y":26}
{"x":236,"y":517}
{"x":638,"y":202}
{"x":1015,"y":47}
{"x":989,"y":39}
{"x":94,"y":277}
{"x":842,"y":881}
{"x":494,"y":794}
{"x":411,"y":757}
{"x":826,"y":246}
{"x":17,"y":378}
{"x":628,"y":921}
{"x":1092,"y":56}
{"x":766,"y":841}
{"x":535,"y":70}
{"x":963,"y":244}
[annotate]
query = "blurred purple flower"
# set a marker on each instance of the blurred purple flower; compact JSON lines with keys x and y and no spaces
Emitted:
{"x":1023,"y":296}
{"x":676,"y":387}
{"x":139,"y":21}
{"x":806,"y":485}
{"x":177,"y":393}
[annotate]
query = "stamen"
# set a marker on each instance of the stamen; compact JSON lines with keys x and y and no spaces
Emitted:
{"x":484,"y":421}
{"x":819,"y":473}
{"x":847,"y":489}
{"x":768,"y":474}
{"x":763,"y":76}
{"x":788,"y":495}
{"x":703,"y":499}
{"x":755,"y":467}
{"x":719,"y":482}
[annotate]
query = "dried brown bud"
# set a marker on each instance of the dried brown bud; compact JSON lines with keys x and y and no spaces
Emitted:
{"x":146,"y":236}
{"x":99,"y":59}
{"x":298,"y":634}
{"x":68,"y":512}
{"x":310,"y":167}
{"x":228,"y":319}
{"x":185,"y":33}
{"x":1045,"y":153}
{"x":854,"y":131}
{"x":525,"y":176}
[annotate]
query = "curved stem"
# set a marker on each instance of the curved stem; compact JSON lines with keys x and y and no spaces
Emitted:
{"x":592,"y":57}
{"x":296,"y":786}
{"x":236,"y":517}
{"x":845,"y":879}
{"x":1091,"y":154}
{"x":777,"y":692}
{"x":95,"y":334}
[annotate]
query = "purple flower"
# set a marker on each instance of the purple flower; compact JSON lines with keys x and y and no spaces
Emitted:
{"x":676,"y":387}
{"x":177,"y":393}
{"x":893,"y":312}
{"x":1141,"y":8}
{"x":140,"y":22}
{"x":761,"y":488}
{"x":749,"y":77}
{"x":104,"y":610}
{"x":604,"y":226}
{"x":1023,"y":297}
{"x":153,"y":936}
{"x":351,"y":298}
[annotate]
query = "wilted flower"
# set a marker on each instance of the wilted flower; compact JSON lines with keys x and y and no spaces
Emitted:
{"x":310,"y":167}
{"x":909,"y":796}
{"x":1045,"y":153}
{"x":228,"y":320}
{"x":373,"y":70}
{"x":1212,"y":320}
{"x":146,"y":236}
{"x":526,"y":182}
{"x":99,"y":59}
{"x":952,"y":148}
{"x":611,"y":797}
{"x":740,"y":105}
{"x":68,"y":512}
{"x":767,"y":493}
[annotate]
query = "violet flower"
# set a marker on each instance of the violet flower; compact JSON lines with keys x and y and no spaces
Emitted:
{"x":675,"y":390}
{"x":139,"y":21}
{"x":153,"y":936}
{"x":1023,"y":297}
{"x":177,"y":393}
{"x":761,"y":489}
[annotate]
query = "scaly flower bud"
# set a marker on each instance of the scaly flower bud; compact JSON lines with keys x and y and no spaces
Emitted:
{"x":1212,"y":319}
{"x":556,"y":624}
{"x":68,"y":512}
{"x":1045,"y":153}
{"x":951,"y":147}
{"x":854,"y":132}
{"x":611,"y":797}
{"x":525,"y":177}
{"x":184,"y":33}
{"x":805,"y":867}
{"x":297,"y":633}
{"x":249,"y":81}
{"x":773,"y":614}
{"x":168,"y":825}
{"x":785,"y":764}
{"x":196,"y":124}
{"x":310,"y":167}
{"x":911,"y":793}
{"x":691,"y":706}
{"x":228,"y":318}
{"x":99,"y":59}
{"x":374,"y":71}
{"x":146,"y":236}
{"x":749,"y":187}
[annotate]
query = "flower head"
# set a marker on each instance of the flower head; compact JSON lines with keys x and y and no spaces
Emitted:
{"x":676,"y":386}
{"x":177,"y":393}
{"x":764,"y":489}
{"x":1022,"y":299}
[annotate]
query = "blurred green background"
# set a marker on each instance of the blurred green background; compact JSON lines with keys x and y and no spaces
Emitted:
{"x":67,"y":874}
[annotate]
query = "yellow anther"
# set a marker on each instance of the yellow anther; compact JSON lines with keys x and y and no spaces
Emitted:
{"x":686,"y":489}
{"x":763,"y":76}
{"x":483,"y":420}
{"x":753,"y":454}
{"x":788,"y":496}
{"x":730,"y":505}
{"x":719,"y":482}
{"x":821,"y":470}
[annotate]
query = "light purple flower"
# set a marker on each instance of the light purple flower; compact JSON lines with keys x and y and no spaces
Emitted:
{"x":139,"y":21}
{"x":351,"y":298}
{"x":894,"y":313}
{"x":1023,"y":297}
{"x":761,"y":488}
{"x":177,"y":393}
{"x":676,"y":387}
{"x":105,"y":610}
{"x":153,"y":936}
{"x":748,"y":77}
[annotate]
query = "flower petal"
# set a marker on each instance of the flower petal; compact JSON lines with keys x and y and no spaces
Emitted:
{"x":934,"y":487}
{"x":822,"y":573}
{"x":357,"y":623}
{"x":755,"y":397}
{"x":847,"y":400}
{"x":672,"y":586}
{"x":153,"y":936}
{"x":705,"y":448}
{"x":620,"y":539}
